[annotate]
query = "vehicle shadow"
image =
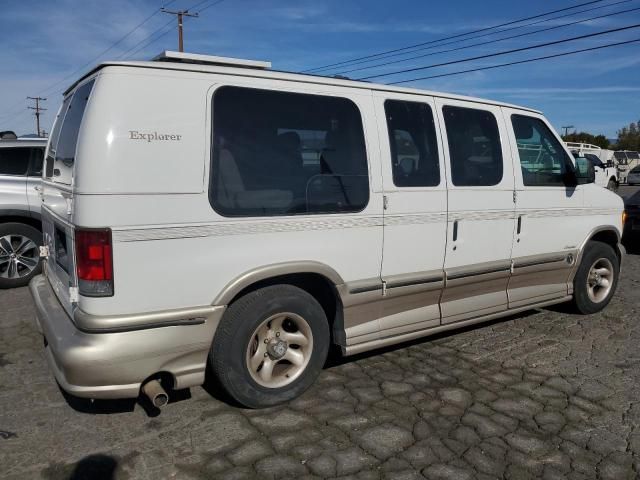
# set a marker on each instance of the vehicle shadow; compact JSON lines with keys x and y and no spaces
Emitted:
{"x":106,"y":407}
{"x":336,"y":358}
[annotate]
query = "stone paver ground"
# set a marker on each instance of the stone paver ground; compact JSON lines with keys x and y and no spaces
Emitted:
{"x":546,"y":394}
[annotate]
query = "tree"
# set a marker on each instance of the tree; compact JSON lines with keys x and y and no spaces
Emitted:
{"x":629,"y":137}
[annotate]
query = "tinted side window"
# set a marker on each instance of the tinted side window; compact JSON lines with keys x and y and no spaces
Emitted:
{"x":14,"y":161}
{"x":65,"y":149}
{"x":474,"y":147}
{"x":542,"y":159}
{"x":414,"y":150}
{"x":280,"y":153}
{"x":37,"y":154}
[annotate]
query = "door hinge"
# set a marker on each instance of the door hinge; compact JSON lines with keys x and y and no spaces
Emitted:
{"x":44,"y":251}
{"x":385,"y":202}
{"x":384,"y":288}
{"x":73,"y":294}
{"x":515,"y":196}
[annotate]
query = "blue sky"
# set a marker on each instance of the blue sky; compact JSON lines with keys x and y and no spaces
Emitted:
{"x":45,"y":41}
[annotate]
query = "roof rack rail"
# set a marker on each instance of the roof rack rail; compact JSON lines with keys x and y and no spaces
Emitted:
{"x":181,"y":57}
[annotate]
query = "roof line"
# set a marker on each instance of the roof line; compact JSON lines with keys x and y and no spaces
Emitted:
{"x":293,"y":77}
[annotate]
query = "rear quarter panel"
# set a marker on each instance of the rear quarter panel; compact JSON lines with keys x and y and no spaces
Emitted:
{"x":171,"y":249}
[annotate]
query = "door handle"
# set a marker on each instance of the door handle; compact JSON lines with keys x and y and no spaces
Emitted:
{"x":519,"y":224}
{"x":37,"y":188}
{"x":455,"y":230}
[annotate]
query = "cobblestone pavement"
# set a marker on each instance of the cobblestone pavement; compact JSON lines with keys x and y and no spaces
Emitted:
{"x":546,"y":394}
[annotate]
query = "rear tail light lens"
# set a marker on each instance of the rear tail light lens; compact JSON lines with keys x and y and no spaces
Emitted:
{"x":94,"y":262}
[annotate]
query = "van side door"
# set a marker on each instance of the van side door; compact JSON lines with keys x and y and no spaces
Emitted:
{"x":415,"y":215}
{"x":480,"y":209}
{"x":550,"y":219}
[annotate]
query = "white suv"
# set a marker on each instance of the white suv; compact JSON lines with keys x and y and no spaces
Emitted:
{"x":213,"y":213}
{"x":20,"y":236}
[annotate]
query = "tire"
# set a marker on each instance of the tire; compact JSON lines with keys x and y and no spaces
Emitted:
{"x":19,"y":254}
{"x":256,"y":373}
{"x":588,"y":297}
{"x":612,"y":185}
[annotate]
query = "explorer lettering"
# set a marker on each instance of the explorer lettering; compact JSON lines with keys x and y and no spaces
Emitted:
{"x":149,"y":137}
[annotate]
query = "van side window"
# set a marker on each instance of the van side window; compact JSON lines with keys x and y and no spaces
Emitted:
{"x":282,"y":153}
{"x":67,"y":137}
{"x":474,"y":147}
{"x":14,"y":161}
{"x":412,"y":138}
{"x":543,"y":160}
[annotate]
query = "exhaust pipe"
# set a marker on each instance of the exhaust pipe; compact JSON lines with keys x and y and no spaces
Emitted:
{"x":155,"y":393}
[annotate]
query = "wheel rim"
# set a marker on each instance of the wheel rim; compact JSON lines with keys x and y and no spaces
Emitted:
{"x":19,"y":256}
{"x":279,"y":350}
{"x":600,"y":280}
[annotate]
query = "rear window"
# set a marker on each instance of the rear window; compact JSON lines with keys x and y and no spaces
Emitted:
{"x":283,"y":153}
{"x":635,"y":169}
{"x":14,"y":160}
{"x":633,"y":155}
{"x":64,"y":137}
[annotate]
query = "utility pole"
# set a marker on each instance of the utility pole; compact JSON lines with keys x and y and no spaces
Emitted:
{"x":38,"y":109}
{"x":566,"y":129}
{"x":180,"y":14}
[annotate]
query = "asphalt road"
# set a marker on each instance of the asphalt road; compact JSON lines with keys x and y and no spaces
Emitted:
{"x":546,"y":394}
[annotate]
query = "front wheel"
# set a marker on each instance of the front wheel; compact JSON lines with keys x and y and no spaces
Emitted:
{"x":19,"y":254}
{"x":596,"y":279}
{"x":612,"y":185}
{"x":270,"y":346}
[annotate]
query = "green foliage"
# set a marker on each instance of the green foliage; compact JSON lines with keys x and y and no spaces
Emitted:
{"x":584,"y":137}
{"x":629,"y":137}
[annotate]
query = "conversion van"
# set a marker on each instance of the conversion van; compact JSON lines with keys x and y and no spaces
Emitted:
{"x":210,"y":214}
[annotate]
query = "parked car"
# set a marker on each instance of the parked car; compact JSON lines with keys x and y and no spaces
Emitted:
{"x":188,"y":232}
{"x":20,"y":223}
{"x":632,"y":211}
{"x":634,"y":176}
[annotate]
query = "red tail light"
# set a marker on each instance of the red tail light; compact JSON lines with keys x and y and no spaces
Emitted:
{"x":94,"y":262}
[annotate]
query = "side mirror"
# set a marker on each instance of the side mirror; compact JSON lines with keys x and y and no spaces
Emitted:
{"x":585,"y":173}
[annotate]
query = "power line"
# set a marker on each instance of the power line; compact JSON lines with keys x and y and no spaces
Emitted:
{"x":464,"y":47}
{"x":37,"y":109}
{"x":519,"y":62}
{"x":450,"y":37}
{"x":505,"y":52}
{"x":137,"y":48}
{"x":113,"y":45}
{"x":180,"y":14}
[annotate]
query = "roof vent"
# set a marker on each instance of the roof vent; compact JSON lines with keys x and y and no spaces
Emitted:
{"x":181,"y":57}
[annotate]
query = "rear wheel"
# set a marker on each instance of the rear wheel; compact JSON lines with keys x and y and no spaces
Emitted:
{"x":270,"y":346}
{"x":19,"y":254}
{"x":596,"y":279}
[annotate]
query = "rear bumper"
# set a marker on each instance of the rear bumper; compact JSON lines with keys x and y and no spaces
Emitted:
{"x":114,"y":365}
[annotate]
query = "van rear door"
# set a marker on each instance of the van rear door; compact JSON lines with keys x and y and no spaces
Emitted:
{"x":57,"y":212}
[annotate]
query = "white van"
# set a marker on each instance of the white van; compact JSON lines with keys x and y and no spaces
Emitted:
{"x":209,"y":214}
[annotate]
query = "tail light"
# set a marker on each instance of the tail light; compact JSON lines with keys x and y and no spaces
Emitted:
{"x":94,"y":262}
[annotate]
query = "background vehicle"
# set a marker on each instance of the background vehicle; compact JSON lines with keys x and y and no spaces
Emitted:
{"x":634,"y":176}
{"x":632,"y":209}
{"x":606,"y":171}
{"x":20,"y":223}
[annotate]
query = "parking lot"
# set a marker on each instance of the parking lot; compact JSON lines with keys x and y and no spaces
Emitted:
{"x":542,"y":394}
